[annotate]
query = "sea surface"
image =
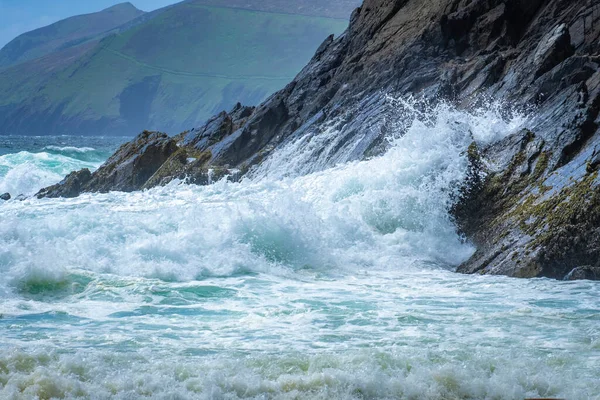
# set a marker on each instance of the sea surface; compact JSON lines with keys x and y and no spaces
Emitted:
{"x":335,"y":282}
{"x":29,"y":163}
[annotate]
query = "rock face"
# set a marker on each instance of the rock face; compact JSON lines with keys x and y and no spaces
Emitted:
{"x":535,"y":213}
{"x":586,"y":272}
{"x":127,"y":170}
{"x":72,"y":186}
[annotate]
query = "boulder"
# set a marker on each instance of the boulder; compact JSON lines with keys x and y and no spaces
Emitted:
{"x":584,"y":273}
{"x":133,"y":163}
{"x":70,"y":187}
{"x":127,"y":170}
{"x":5,"y":196}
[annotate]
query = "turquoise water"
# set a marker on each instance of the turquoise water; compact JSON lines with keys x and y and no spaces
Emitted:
{"x":331,"y":283}
{"x":29,"y":163}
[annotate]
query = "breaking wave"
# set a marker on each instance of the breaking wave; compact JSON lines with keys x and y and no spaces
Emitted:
{"x":307,"y":280}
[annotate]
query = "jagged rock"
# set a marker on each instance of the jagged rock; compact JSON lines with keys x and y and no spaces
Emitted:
{"x":5,"y":196}
{"x":194,"y":159}
{"x":536,"y":209}
{"x":70,"y":187}
{"x":134,"y":163}
{"x":587,"y":272}
{"x":553,"y":49}
{"x":127,"y":170}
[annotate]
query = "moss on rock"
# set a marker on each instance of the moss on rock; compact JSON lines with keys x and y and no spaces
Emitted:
{"x":530,"y":231}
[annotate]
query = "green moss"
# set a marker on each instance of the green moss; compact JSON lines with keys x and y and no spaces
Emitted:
{"x":504,"y":191}
{"x":541,"y":165}
{"x":177,"y":166}
{"x":574,"y":205}
{"x":473,"y":152}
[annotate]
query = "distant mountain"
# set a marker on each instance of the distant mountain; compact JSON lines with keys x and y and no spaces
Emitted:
{"x":168,"y":70}
{"x":340,"y":9}
{"x":66,"y":33}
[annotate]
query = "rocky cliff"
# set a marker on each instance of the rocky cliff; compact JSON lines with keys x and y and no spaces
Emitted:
{"x":534,"y":209}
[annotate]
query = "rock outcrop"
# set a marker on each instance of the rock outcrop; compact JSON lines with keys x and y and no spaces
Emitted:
{"x":587,"y":272}
{"x":535,"y":212}
{"x":127,"y":170}
{"x":72,"y":186}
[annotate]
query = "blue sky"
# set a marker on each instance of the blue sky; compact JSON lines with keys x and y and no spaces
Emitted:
{"x":20,"y":16}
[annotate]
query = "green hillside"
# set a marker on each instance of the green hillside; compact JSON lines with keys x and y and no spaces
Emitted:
{"x":169,"y":73}
{"x":66,"y":33}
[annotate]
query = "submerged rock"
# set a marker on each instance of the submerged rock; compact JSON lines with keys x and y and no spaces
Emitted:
{"x":5,"y":196}
{"x":534,"y":209}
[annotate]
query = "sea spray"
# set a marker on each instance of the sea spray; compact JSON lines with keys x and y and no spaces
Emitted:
{"x":316,"y":150}
{"x":26,"y":173}
{"x":28,"y":164}
{"x":389,"y":209}
{"x":330,"y":281}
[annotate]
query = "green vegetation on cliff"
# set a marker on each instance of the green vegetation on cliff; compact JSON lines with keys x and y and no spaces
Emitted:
{"x":67,"y":33}
{"x":170,"y":72}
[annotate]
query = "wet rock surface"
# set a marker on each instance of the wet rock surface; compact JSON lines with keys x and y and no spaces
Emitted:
{"x":585,"y":272}
{"x":5,"y":196}
{"x":72,"y":186}
{"x":535,"y":212}
{"x":127,"y":170}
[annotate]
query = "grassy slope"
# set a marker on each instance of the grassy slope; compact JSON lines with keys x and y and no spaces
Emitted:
{"x":173,"y":72}
{"x":66,"y":33}
{"x":332,"y":8}
{"x":195,"y":38}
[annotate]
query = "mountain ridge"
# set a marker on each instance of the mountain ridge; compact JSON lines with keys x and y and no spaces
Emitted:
{"x":193,"y":69}
{"x":66,"y":33}
{"x":339,"y":9}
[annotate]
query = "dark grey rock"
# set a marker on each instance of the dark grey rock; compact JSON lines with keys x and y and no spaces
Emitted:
{"x":5,"y":196}
{"x":70,"y":187}
{"x":127,"y":170}
{"x":584,"y":273}
{"x":553,"y":49}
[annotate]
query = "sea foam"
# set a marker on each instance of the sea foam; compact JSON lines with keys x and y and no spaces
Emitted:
{"x":330,"y":282}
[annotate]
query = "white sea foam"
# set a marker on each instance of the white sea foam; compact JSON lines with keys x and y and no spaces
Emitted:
{"x":26,"y":172}
{"x":336,"y":283}
{"x":71,"y":149}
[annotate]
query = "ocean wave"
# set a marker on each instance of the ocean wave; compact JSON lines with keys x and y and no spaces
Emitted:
{"x":387,"y":210}
{"x":353,"y":374}
{"x":332,"y":284}
{"x":26,"y":172}
{"x":88,"y":154}
{"x":70,"y":149}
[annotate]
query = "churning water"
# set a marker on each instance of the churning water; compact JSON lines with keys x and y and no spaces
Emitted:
{"x":28,"y":164}
{"x":306,"y":280}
